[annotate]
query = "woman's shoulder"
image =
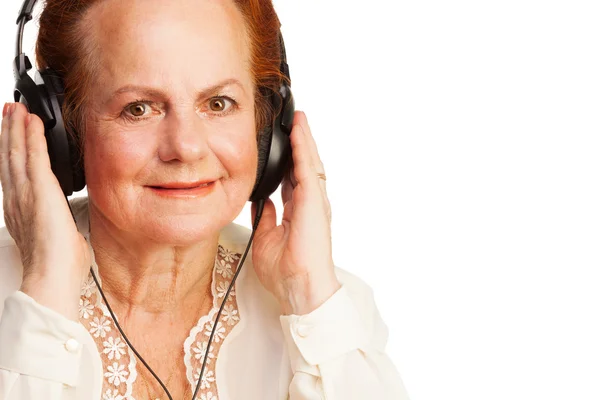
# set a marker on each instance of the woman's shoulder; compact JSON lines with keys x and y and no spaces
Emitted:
{"x":235,"y":237}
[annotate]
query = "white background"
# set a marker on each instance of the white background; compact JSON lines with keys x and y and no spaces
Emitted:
{"x":461,"y":144}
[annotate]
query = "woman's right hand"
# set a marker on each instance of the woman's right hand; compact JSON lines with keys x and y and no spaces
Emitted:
{"x":55,"y":256}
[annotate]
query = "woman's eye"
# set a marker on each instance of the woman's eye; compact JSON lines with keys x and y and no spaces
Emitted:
{"x":137,"y":109}
{"x":218,"y":104}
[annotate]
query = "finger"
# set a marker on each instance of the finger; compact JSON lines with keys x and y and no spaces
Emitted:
{"x":4,"y":169}
{"x":288,"y":212}
{"x":289,"y":175}
{"x":316,"y":161}
{"x":17,"y":152}
{"x":38,"y":160}
{"x":288,"y":184}
{"x":312,"y":145}
{"x":314,"y":152}
{"x":287,"y":188}
{"x":304,"y":171}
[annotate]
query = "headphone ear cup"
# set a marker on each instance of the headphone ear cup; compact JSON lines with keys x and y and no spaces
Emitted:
{"x":274,"y":147}
{"x":34,"y":95}
{"x":288,"y":110}
{"x":69,"y":150}
{"x":46,"y":102}
{"x":264,"y":142}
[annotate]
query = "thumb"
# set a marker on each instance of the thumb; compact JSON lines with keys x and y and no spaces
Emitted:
{"x":268,"y":220}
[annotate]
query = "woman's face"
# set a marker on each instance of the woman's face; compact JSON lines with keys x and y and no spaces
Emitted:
{"x":173,"y":102}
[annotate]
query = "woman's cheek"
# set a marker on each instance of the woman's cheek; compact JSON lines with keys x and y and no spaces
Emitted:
{"x":236,"y":150}
{"x":117,"y":157}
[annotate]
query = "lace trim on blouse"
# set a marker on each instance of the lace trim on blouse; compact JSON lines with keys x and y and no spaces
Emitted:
{"x":120,"y":363}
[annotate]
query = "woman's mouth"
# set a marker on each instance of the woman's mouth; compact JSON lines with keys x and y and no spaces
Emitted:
{"x":183,"y":190}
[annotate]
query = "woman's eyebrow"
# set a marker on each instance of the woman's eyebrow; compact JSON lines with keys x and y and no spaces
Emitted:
{"x":152,"y":92}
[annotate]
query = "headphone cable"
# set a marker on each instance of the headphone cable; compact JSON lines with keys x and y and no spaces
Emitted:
{"x":260,"y":204}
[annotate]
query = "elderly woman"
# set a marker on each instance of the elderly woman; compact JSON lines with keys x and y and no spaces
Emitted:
{"x":166,"y":101}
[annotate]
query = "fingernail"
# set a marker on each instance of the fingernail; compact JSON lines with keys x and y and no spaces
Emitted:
{"x":27,"y":120}
{"x":4,"y":110}
{"x":11,"y":109}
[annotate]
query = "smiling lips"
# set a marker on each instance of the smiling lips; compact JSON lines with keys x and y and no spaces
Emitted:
{"x":182,"y":185}
{"x":183,"y":189}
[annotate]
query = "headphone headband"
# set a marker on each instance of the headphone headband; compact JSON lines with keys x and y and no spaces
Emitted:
{"x":25,"y":15}
{"x":26,"y":10}
{"x":22,"y":64}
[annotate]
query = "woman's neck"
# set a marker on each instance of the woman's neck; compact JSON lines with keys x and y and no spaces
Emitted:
{"x":143,"y":277}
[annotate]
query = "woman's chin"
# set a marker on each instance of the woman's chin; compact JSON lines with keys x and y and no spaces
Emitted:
{"x":182,"y":231}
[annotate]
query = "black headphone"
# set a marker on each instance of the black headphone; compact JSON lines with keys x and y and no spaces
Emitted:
{"x":44,"y":97}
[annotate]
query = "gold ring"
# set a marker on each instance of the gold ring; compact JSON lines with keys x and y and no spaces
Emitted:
{"x":321,"y":176}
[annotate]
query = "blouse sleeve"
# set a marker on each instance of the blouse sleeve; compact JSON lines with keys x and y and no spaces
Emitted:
{"x":40,"y":351}
{"x":337,"y":352}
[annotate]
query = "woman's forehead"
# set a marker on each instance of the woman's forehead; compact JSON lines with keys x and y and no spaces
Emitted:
{"x":158,"y":41}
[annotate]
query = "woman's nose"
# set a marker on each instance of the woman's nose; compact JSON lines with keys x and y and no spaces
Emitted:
{"x":184,"y":138}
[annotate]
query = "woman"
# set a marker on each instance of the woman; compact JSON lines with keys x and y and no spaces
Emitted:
{"x":294,"y":326}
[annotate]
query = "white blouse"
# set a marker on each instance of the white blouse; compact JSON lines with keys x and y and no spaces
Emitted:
{"x":336,"y":352}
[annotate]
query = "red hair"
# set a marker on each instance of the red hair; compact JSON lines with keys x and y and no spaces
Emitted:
{"x":61,"y":45}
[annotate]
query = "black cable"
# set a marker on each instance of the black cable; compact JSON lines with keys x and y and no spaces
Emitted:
{"x":125,"y":337}
{"x":260,"y":204}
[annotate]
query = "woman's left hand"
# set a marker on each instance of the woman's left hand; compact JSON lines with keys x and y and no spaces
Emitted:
{"x":294,"y":260}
